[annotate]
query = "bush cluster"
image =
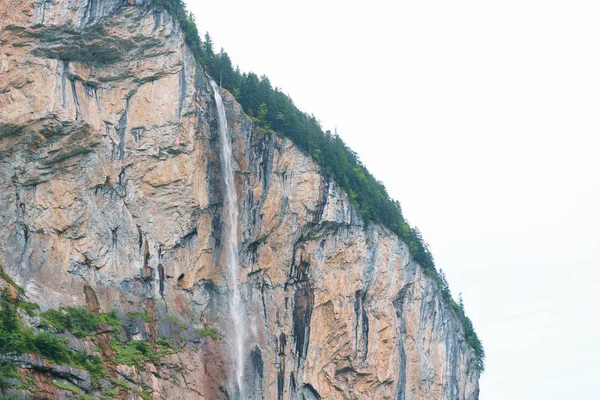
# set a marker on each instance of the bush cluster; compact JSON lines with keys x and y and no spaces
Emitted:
{"x":136,"y":352}
{"x":16,"y":339}
{"x":77,"y":320}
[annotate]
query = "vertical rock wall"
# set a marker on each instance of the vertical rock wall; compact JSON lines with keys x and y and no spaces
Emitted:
{"x":110,"y":184}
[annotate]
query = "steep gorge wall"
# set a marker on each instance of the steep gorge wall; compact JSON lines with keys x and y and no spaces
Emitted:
{"x":110,"y":189}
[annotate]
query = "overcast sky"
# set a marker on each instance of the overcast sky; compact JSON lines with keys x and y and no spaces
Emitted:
{"x":482,"y":118}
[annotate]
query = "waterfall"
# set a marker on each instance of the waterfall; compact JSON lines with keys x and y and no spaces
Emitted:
{"x":231,"y":208}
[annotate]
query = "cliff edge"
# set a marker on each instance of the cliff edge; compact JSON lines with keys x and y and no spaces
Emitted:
{"x":111,"y":199}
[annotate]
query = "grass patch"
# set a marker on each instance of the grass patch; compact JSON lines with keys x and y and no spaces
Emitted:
{"x":31,"y":381}
{"x":207,"y":332}
{"x":24,"y":387}
{"x":64,"y":385}
{"x":79,"y":320}
{"x":136,"y":352}
{"x":110,"y":318}
{"x":165,"y":344}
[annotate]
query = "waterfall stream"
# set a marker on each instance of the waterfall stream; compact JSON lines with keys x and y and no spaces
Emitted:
{"x":231,"y":209}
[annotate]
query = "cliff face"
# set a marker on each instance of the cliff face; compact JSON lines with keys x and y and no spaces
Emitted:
{"x":111,"y":196}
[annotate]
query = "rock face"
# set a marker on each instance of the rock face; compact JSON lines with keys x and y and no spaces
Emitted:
{"x":110,"y":196}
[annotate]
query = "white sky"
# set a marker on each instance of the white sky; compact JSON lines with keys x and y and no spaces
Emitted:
{"x":482,"y":118}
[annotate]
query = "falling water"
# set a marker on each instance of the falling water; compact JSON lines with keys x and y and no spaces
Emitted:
{"x":231,"y":208}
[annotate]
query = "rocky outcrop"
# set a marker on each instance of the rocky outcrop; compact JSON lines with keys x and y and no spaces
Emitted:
{"x":110,"y":196}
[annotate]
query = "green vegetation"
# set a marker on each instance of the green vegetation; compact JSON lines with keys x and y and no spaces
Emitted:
{"x":177,"y":322}
{"x":79,"y":320}
{"x":31,"y":381}
{"x":459,"y":311}
{"x":165,"y":343}
{"x":207,"y":332}
{"x":52,"y":347}
{"x":111,"y":393}
{"x":14,"y":396}
{"x":93,"y":364}
{"x":110,"y":318}
{"x":275,"y":111}
{"x":29,"y":386}
{"x":143,"y":394}
{"x":136,"y":352}
{"x":7,"y":371}
{"x":10,"y":281}
{"x":64,"y":385}
{"x":21,"y":386}
{"x":143,"y":315}
{"x":15,"y":339}
{"x":30,"y":309}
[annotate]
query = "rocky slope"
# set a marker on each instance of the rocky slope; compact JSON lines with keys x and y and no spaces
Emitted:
{"x":111,"y":197}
